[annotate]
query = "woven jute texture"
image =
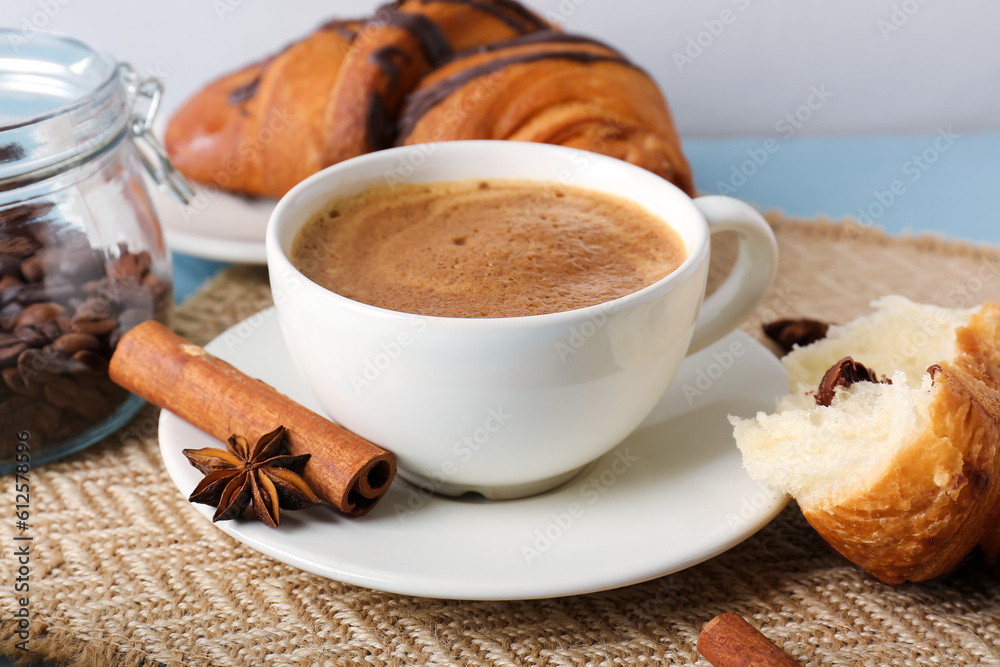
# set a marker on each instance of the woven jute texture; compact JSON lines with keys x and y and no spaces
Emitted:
{"x":124,"y":571}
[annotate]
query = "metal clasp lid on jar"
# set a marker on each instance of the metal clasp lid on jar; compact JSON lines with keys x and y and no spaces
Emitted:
{"x":146,"y":95}
{"x":66,"y":104}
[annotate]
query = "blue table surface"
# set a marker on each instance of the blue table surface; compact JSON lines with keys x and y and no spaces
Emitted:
{"x":939,"y":183}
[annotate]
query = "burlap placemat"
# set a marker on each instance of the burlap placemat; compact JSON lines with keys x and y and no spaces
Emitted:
{"x":124,"y":571}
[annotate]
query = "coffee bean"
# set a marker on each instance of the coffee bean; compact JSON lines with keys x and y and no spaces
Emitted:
{"x":33,"y":269}
{"x":70,"y":425}
{"x":37,"y":292}
{"x":136,"y":295}
{"x":45,"y":365}
{"x":9,"y":315}
{"x":94,"y":308}
{"x":24,"y":219}
{"x":32,"y":336}
{"x":14,"y":294}
{"x":71,"y":343}
{"x":90,"y":361}
{"x":10,"y":266}
{"x":60,"y":394}
{"x":158,"y":288}
{"x":39,"y":313}
{"x":10,"y":354}
{"x":80,"y":264}
{"x":20,"y":413}
{"x":93,"y":327}
{"x":15,"y":383}
{"x":129,"y":264}
{"x":10,"y":293}
{"x":65,"y":393}
{"x":92,"y":382}
{"x":134,"y":316}
{"x":60,"y":288}
{"x":17,"y":246}
{"x":99,"y":286}
{"x":55,"y":328}
{"x":32,"y":364}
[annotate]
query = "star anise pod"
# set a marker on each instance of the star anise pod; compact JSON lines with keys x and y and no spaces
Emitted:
{"x":262,"y":474}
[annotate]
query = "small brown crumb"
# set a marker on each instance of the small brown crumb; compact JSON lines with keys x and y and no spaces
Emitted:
{"x":933,"y":369}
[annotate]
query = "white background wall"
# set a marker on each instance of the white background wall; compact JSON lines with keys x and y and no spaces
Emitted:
{"x":891,"y":66}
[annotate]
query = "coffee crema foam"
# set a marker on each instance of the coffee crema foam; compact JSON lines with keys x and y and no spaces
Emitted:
{"x":497,"y":248}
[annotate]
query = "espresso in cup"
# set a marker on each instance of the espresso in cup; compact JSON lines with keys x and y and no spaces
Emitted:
{"x":485,"y":248}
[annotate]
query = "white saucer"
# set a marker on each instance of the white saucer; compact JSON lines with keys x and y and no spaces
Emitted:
{"x":671,"y":495}
{"x":215,"y":225}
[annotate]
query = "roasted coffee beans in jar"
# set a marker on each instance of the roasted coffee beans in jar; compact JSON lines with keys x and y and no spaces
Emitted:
{"x":82,"y":258}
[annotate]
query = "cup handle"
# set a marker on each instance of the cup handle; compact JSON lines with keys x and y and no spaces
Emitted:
{"x":752,"y":275}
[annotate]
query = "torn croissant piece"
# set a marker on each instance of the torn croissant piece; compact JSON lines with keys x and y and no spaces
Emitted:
{"x":554,"y":88}
{"x":900,"y":478}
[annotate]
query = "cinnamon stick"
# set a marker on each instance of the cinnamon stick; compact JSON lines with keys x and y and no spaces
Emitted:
{"x":345,"y":470}
{"x":729,"y":641}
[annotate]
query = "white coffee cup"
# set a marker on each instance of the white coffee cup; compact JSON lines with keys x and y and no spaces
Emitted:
{"x":509,"y":407}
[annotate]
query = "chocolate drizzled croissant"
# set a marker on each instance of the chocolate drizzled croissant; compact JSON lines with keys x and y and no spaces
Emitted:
{"x":417,"y":71}
{"x":399,"y":46}
{"x":260,"y":130}
{"x":554,"y":88}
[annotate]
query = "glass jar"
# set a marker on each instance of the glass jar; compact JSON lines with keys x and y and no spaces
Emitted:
{"x":82,"y":257}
